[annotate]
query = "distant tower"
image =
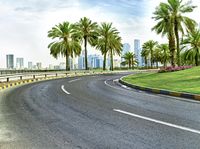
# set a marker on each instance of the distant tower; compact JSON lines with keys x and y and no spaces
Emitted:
{"x":126,"y":48}
{"x":19,"y":63}
{"x":10,"y":61}
{"x":137,"y":51}
{"x":39,"y":65}
{"x":81,"y":61}
{"x":30,"y":65}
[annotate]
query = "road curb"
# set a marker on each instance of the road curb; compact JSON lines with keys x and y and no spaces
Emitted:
{"x":161,"y":91}
{"x":28,"y":81}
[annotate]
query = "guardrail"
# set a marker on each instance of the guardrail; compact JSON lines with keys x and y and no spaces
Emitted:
{"x":25,"y":71}
{"x":15,"y":77}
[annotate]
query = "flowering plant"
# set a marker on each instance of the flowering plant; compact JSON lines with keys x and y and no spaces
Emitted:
{"x":176,"y":68}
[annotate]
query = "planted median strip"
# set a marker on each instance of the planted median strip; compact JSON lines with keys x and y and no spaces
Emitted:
{"x":183,"y":83}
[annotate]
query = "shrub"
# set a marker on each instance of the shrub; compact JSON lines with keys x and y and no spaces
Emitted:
{"x":171,"y":69}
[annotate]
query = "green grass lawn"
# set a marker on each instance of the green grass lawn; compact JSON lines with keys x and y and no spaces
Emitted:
{"x":181,"y":81}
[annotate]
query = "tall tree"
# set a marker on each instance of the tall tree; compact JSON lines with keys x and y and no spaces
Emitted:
{"x":66,"y":44}
{"x":130,"y":59}
{"x":145,"y":55}
{"x":165,"y":27}
{"x":193,"y":53}
{"x":86,"y":30}
{"x":157,"y":56}
{"x":164,"y":48}
{"x":108,"y":37}
{"x":177,"y":10}
{"x":114,"y":47}
{"x":150,"y":45}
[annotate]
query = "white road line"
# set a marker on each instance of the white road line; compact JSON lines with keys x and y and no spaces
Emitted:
{"x":74,"y":80}
{"x":158,"y":121}
{"x":105,"y":82}
{"x":116,"y":80}
{"x":63,"y":88}
{"x":126,"y":87}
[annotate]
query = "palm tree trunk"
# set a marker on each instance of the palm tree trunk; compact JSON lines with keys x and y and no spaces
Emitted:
{"x":85,"y":42}
{"x":177,"y":44}
{"x":111,"y":60}
{"x":67,"y":63}
{"x":104,"y":62}
{"x":172,"y":47}
{"x":172,"y":43}
{"x":196,"y":60}
{"x":165,"y":64}
{"x":151,"y":50}
{"x":129,"y":64}
{"x":156,"y":64}
{"x":132,"y":63}
{"x":146,"y":61}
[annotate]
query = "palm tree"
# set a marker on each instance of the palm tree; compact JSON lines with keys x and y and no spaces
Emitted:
{"x":86,"y":30}
{"x":164,"y":48}
{"x":129,"y":59}
{"x":165,"y":27}
{"x":114,"y":47}
{"x":193,"y":53}
{"x":107,"y":41}
{"x":157,"y":56}
{"x":177,"y":9}
{"x":150,"y":45}
{"x":145,"y":55}
{"x":65,"y":44}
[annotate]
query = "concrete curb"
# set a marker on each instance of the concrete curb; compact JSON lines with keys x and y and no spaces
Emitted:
{"x":161,"y":91}
{"x":28,"y":81}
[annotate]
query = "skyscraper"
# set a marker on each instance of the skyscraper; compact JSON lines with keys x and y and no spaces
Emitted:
{"x":30,"y":65}
{"x":39,"y":65}
{"x":81,"y":61}
{"x":137,"y":51}
{"x":19,"y":63}
{"x":10,"y":61}
{"x":126,"y":48}
{"x":95,"y":61}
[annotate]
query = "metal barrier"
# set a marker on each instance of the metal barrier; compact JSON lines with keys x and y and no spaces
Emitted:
{"x":15,"y":77}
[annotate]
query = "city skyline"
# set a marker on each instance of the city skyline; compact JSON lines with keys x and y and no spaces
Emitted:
{"x":29,"y":21}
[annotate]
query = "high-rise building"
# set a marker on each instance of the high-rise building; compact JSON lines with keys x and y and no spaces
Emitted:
{"x":126,"y":48}
{"x":19,"y":63}
{"x":51,"y":67}
{"x":39,"y":65}
{"x":137,"y":51}
{"x":95,"y":61}
{"x":81,"y":61}
{"x":30,"y":65}
{"x":72,"y":63}
{"x":10,"y":61}
{"x":62,"y":65}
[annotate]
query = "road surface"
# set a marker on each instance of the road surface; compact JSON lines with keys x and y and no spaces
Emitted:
{"x":95,"y":112}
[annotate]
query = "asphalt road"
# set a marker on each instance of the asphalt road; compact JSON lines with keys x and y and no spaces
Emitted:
{"x":95,"y":112}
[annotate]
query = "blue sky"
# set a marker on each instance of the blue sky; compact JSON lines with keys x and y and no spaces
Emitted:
{"x":24,"y":23}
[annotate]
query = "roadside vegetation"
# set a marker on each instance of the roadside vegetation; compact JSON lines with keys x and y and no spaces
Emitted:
{"x":182,"y":32}
{"x":68,"y":38}
{"x":181,"y":81}
{"x":172,"y":22}
{"x":179,"y":58}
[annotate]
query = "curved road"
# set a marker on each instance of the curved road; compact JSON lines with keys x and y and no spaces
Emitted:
{"x":95,"y":112}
